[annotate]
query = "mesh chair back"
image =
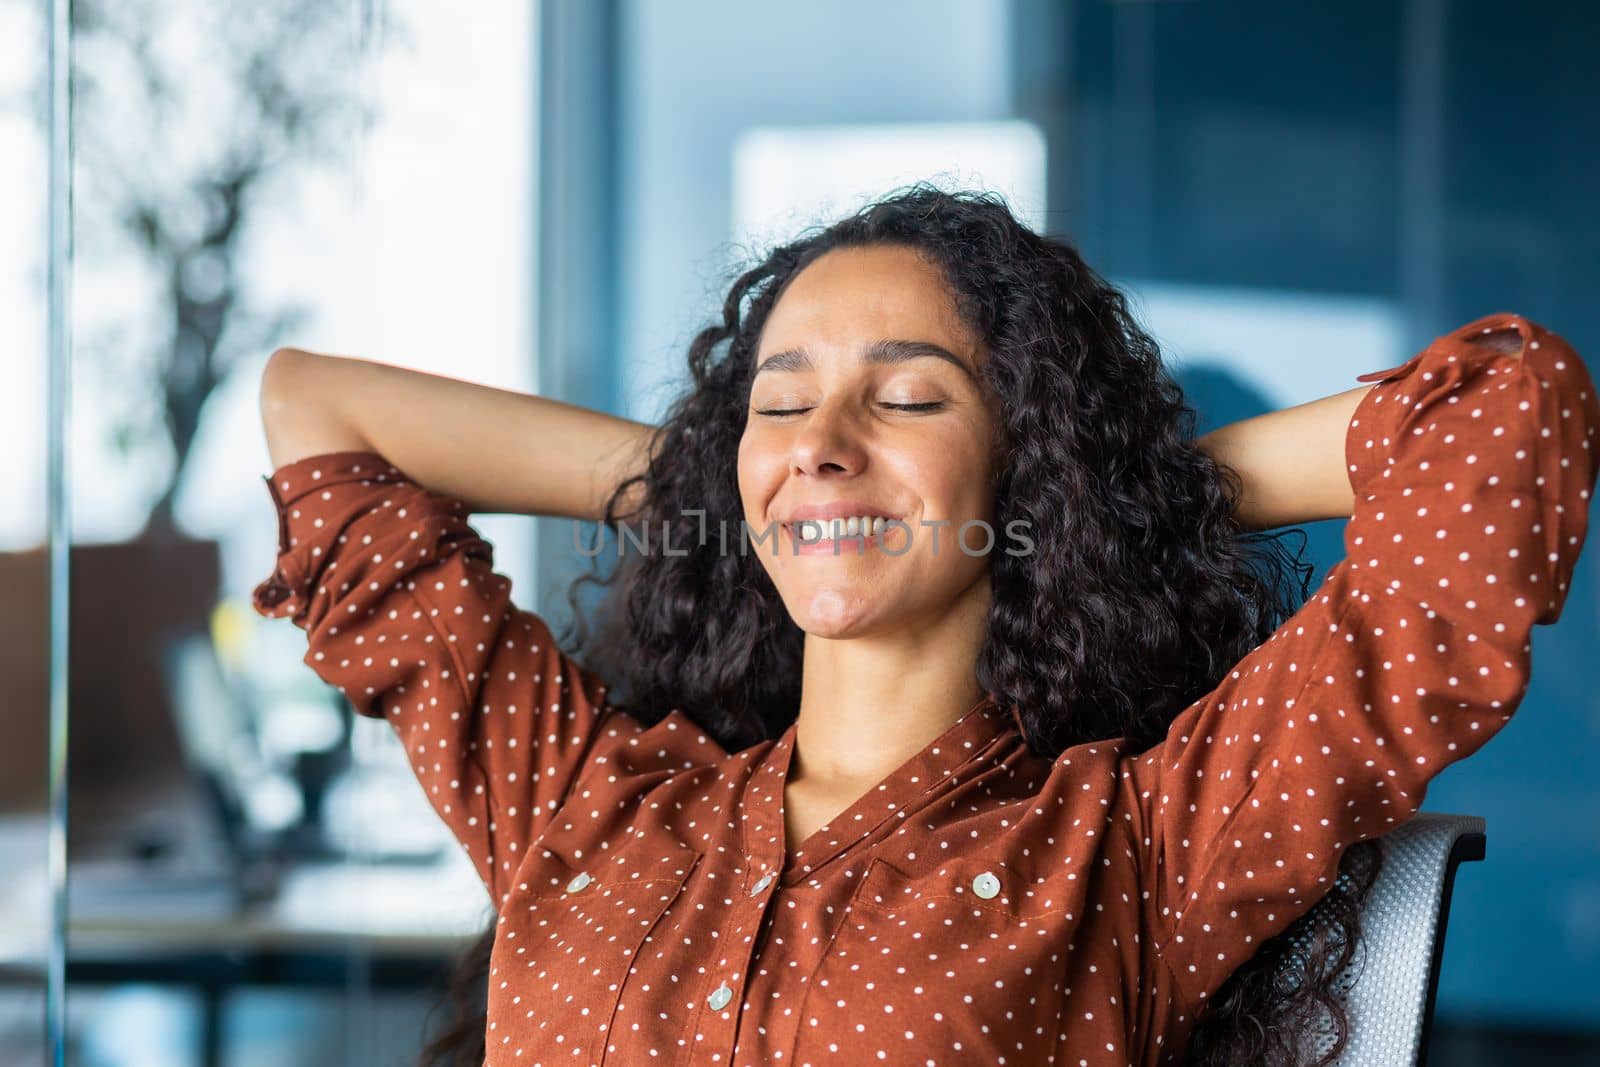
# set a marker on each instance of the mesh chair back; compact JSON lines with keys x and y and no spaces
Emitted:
{"x":1388,"y":990}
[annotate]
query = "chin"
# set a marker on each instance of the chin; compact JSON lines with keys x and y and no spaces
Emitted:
{"x":835,"y":614}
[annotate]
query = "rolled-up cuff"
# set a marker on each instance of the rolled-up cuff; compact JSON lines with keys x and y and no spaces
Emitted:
{"x":287,"y":593}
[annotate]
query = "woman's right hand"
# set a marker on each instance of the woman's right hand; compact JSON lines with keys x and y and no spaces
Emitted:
{"x":497,"y":450}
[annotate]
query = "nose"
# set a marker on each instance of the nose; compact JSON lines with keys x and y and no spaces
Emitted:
{"x":827,"y":441}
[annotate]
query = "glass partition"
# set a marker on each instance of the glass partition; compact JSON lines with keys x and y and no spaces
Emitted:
{"x":34,"y":150}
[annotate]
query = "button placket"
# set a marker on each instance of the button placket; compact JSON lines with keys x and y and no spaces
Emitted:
{"x":719,"y":1032}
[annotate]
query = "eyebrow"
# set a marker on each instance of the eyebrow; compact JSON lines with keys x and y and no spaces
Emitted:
{"x":882,"y":352}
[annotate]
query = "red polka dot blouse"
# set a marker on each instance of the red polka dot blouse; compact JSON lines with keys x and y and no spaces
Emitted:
{"x":980,"y":905}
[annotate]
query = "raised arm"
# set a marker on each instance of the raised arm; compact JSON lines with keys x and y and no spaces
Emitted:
{"x":1291,"y":461}
{"x":1472,"y":466}
{"x":496,"y":450}
{"x":402,"y":608}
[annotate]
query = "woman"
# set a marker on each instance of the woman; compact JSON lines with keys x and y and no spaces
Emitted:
{"x":881,"y":800}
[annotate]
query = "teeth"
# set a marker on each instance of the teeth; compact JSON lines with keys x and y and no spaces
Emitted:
{"x":812,"y":530}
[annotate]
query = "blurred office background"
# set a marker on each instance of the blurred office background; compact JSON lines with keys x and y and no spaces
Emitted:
{"x":550,"y":197}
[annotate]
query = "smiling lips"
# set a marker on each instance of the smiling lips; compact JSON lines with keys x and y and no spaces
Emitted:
{"x":815,"y":531}
{"x":823,"y":527}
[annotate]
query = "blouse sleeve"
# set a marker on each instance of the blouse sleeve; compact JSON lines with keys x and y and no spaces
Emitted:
{"x":1473,"y":469}
{"x":405,"y":615}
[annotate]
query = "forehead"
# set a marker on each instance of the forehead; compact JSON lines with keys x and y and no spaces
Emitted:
{"x":847,"y":298}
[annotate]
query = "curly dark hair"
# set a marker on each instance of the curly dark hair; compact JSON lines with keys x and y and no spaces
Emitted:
{"x":1153,"y":593}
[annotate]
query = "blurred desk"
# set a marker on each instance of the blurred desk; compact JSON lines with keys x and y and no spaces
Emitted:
{"x":341,"y":925}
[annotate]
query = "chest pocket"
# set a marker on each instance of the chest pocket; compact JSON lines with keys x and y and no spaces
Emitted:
{"x":569,"y":934}
{"x":936,"y":966}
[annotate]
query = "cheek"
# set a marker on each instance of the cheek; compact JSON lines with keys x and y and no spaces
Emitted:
{"x":954,"y":476}
{"x":755,"y":465}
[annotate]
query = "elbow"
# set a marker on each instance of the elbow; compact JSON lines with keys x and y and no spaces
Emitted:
{"x":299,"y":411}
{"x":278,"y":378}
{"x":295,"y":382}
{"x":283,"y":364}
{"x":277,"y":372}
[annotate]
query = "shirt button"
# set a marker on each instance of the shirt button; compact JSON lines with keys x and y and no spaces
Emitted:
{"x":766,"y":880}
{"x":579,"y":882}
{"x":719,"y":997}
{"x":986,"y":885}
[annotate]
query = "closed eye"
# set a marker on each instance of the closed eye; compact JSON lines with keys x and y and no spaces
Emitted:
{"x":927,"y":405}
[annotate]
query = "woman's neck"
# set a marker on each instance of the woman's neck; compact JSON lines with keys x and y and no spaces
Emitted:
{"x":868,"y":704}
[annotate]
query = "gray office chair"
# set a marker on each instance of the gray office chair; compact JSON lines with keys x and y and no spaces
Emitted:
{"x":1388,"y":989}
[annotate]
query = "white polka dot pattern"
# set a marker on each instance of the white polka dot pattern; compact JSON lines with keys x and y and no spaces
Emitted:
{"x":406,"y":617}
{"x":1473,"y":468}
{"x":979,"y":904}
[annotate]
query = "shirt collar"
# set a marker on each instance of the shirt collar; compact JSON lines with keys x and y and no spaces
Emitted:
{"x":934,"y":768}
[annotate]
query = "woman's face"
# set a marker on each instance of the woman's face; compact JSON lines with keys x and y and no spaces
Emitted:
{"x":853,"y":411}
